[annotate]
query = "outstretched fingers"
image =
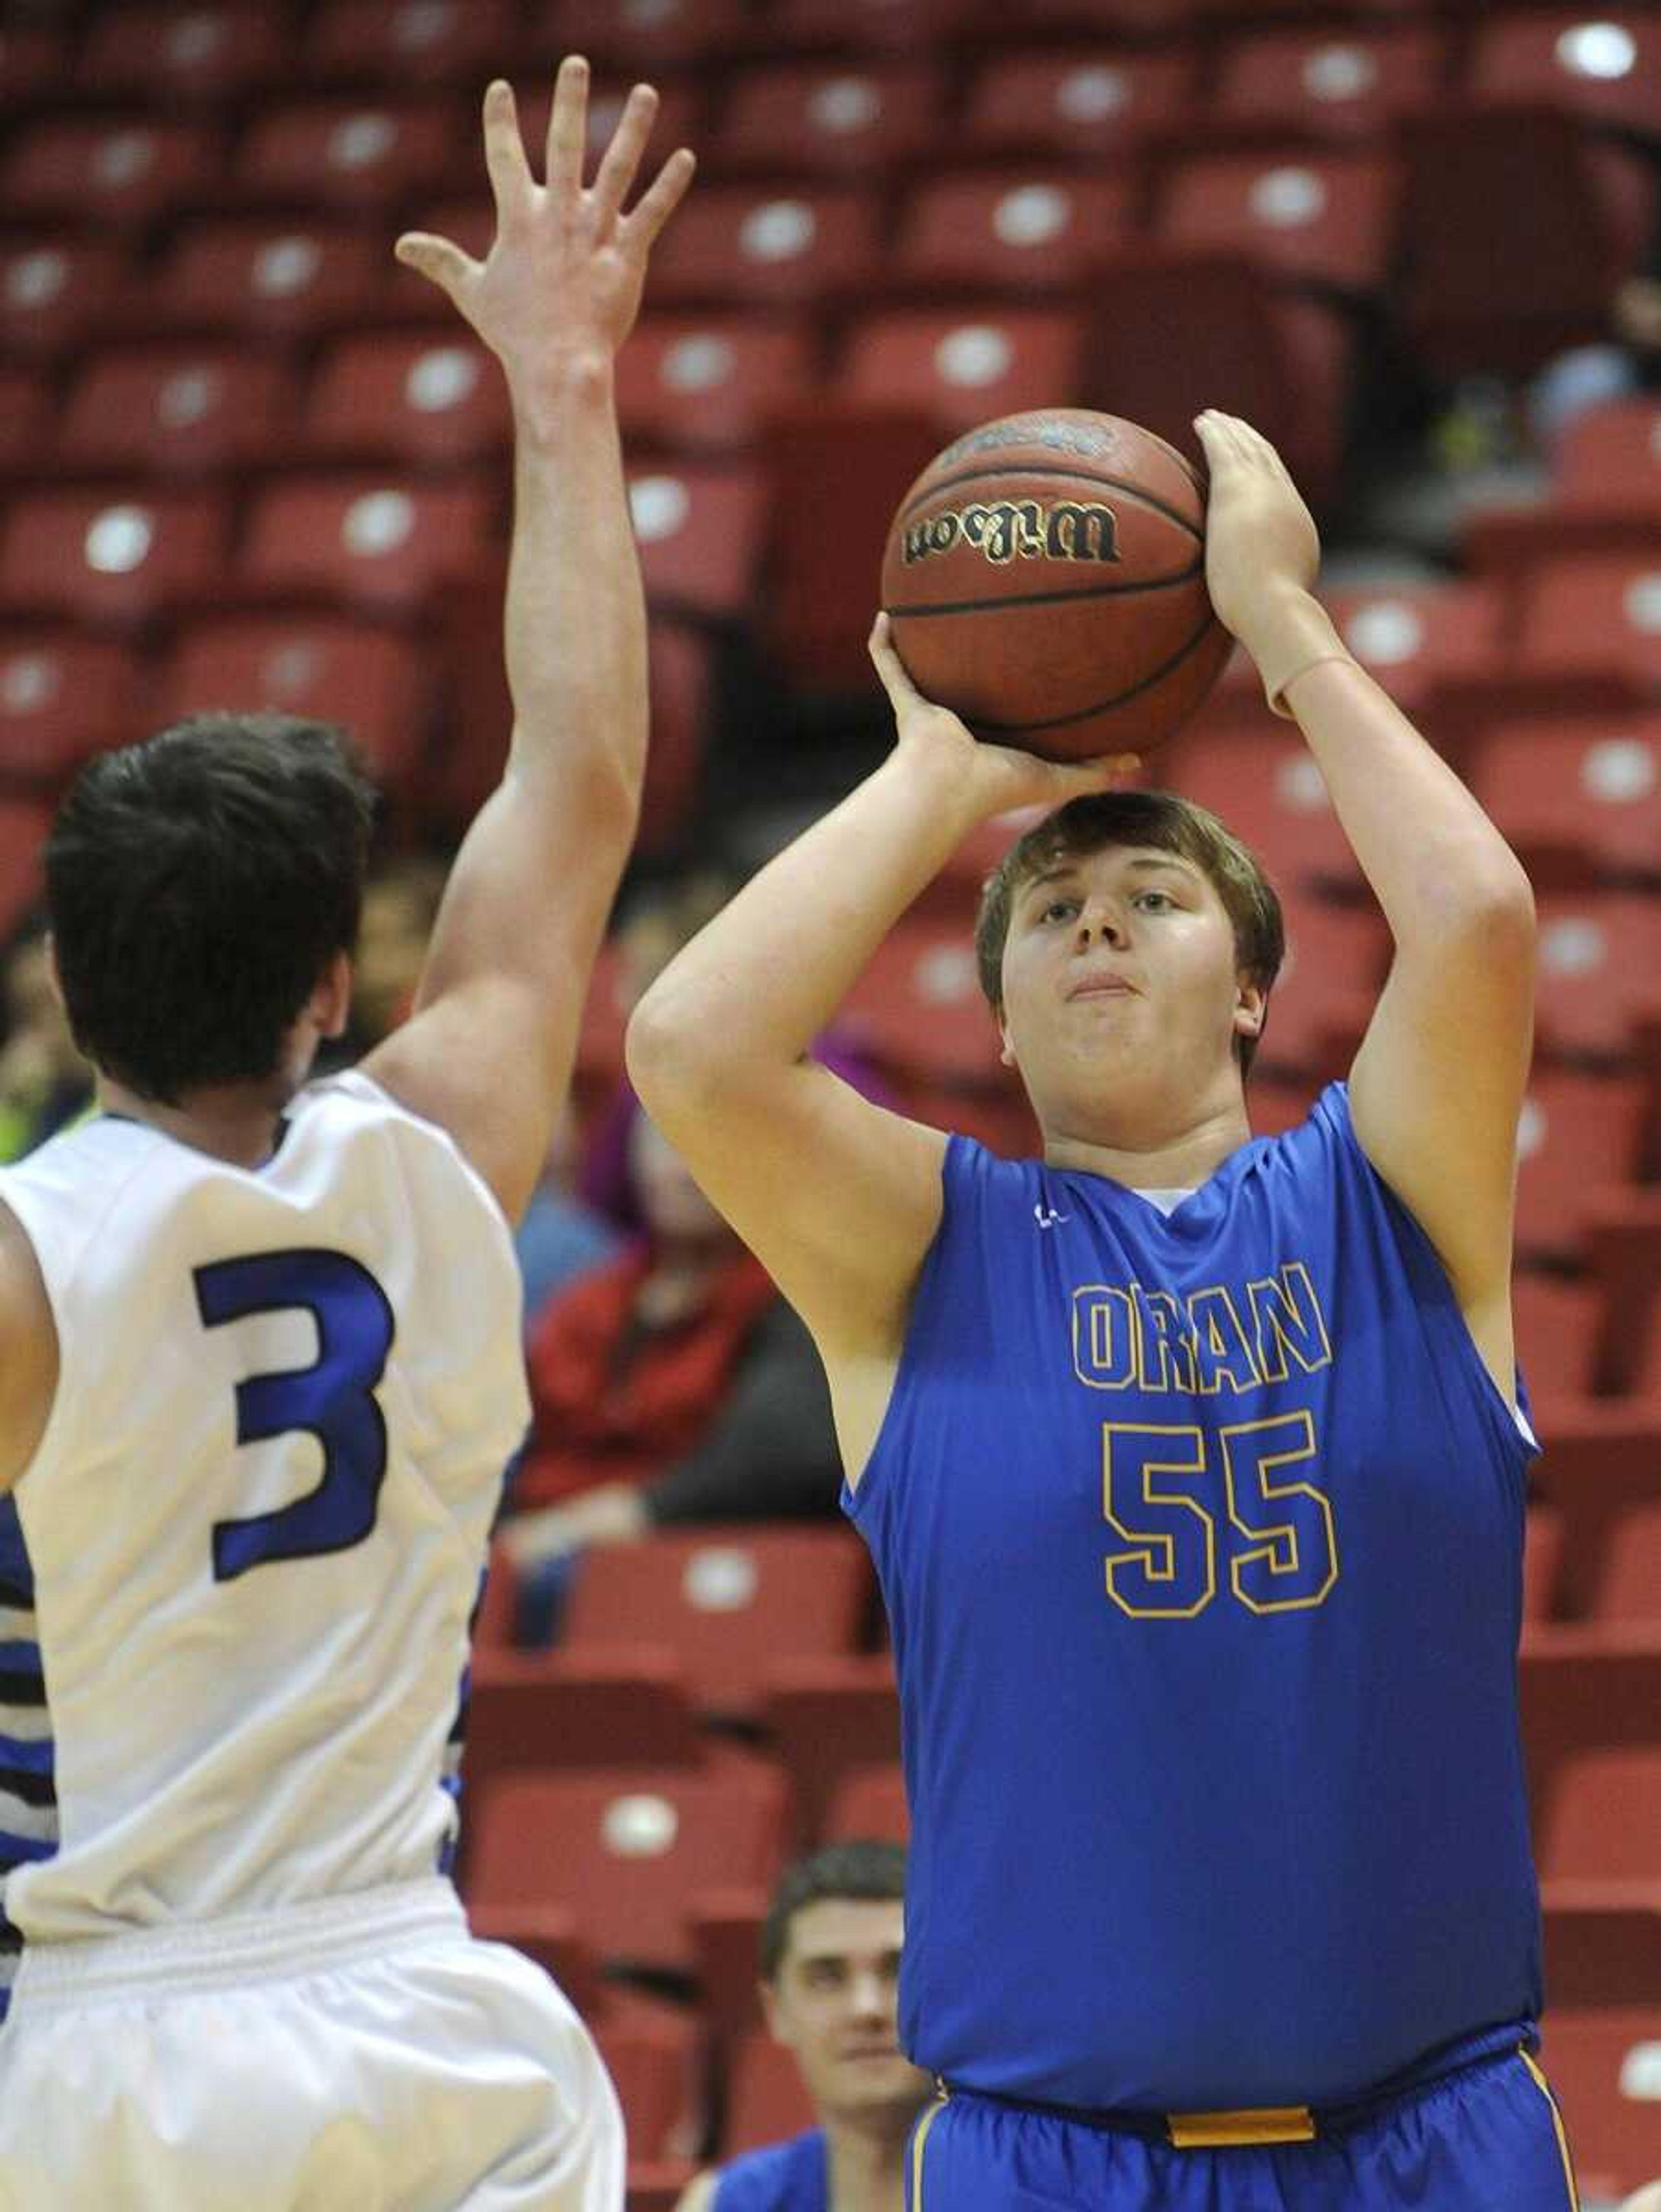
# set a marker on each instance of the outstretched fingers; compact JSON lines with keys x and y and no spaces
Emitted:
{"x":621,"y":159}
{"x":436,"y":258}
{"x":567,"y":126}
{"x":504,"y":151}
{"x":663,"y":194}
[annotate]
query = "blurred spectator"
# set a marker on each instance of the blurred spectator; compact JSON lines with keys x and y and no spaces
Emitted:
{"x":45,"y":1084}
{"x":1628,"y":360}
{"x":671,"y":1384}
{"x":560,"y":1236}
{"x":400,"y":903}
{"x":829,"y":1966}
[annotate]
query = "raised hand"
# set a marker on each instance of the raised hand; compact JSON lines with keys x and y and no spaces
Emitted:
{"x":997,"y":777}
{"x":1261,"y":544}
{"x":564,"y":277}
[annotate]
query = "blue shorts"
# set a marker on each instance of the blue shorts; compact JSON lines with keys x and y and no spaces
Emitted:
{"x":1486,"y":2139}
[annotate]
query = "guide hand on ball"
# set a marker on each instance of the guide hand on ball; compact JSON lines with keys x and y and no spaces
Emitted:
{"x":997,"y":776}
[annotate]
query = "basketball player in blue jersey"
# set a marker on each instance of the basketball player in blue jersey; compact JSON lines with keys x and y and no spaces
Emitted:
{"x":259,"y":1372}
{"x":830,"y":1949}
{"x":1192,"y":1463}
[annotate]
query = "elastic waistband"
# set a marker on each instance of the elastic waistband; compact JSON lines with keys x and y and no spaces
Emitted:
{"x":288,"y":1941}
{"x":1239,"y":2129}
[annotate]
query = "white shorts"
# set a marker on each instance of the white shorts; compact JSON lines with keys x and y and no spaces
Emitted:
{"x":359,"y":2054}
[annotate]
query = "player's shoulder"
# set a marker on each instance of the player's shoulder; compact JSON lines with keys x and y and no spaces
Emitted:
{"x":780,"y":2177}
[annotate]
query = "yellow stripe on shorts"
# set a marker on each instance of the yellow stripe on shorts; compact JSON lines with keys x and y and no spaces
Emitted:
{"x":917,"y":2141}
{"x":1544,"y":2088}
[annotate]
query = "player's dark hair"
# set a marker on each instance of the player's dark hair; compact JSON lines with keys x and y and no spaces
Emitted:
{"x":867,"y":1871}
{"x":199,"y":883}
{"x":1171,"y":824}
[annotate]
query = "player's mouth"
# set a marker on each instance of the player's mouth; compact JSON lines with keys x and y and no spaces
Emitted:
{"x":1102,"y":984}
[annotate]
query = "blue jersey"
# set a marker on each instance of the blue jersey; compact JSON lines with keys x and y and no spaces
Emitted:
{"x":787,"y":2176}
{"x":1201,"y":1538}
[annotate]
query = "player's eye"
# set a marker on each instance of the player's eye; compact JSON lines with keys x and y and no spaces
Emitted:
{"x":1066,"y":907}
{"x":1165,"y":898}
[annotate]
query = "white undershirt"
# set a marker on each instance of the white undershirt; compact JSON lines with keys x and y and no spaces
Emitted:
{"x":1166,"y":1201}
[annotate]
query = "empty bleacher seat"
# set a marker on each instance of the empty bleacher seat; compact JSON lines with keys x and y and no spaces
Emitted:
{"x":767,"y":2100}
{"x":857,"y":118}
{"x":643,"y":35}
{"x":283,"y":275}
{"x":1583,"y":1688}
{"x":1578,"y":799}
{"x":1262,"y":779}
{"x":1338,"y":81}
{"x":55,"y":288}
{"x":408,"y":42}
{"x":412,"y":397}
{"x":1558,"y":1321}
{"x":178,"y":54}
{"x":28,"y":423}
{"x":630,"y":1849}
{"x":1599,"y":965}
{"x":653,"y":2061}
{"x":1608,"y":460}
{"x":700,"y":528}
{"x":1602,"y":1465}
{"x":739,"y":244}
{"x":1603,"y":1819}
{"x":825,"y":1716}
{"x":113,"y":555}
{"x":1596,"y":613}
{"x":23,"y":826}
{"x":1604,"y":2066}
{"x":1576,"y":1132}
{"x":1337,"y":957}
{"x":1308,"y":215}
{"x":1033,"y":227}
{"x":961,"y":367}
{"x":1082,"y":101}
{"x":1542,"y":1552}
{"x":350,"y":155}
{"x":1416,"y":637}
{"x":1603,"y":66}
{"x":705,"y":382}
{"x":917,"y":1009}
{"x":377,"y":539}
{"x":1629,"y":1587}
{"x":184,"y":408}
{"x":119,"y":171}
{"x":63,"y":696}
{"x":33,"y":60}
{"x":730,"y":1600}
{"x":870,"y":1801}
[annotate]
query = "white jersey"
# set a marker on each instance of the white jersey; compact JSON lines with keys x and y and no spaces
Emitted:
{"x":253,"y":1532}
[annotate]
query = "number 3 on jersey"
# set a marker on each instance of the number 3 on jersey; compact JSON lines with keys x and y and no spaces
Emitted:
{"x":1285,"y":1549}
{"x":332,"y":1399}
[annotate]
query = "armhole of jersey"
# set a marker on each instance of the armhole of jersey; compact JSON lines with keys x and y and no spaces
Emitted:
{"x":1513,"y":1426}
{"x":855,"y":1497}
{"x":64,"y":1393}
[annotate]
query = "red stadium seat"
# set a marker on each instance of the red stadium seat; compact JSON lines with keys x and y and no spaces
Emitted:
{"x":1261,"y":779}
{"x":767,"y":2100}
{"x":409,"y":42}
{"x":28,"y":422}
{"x":378,"y":540}
{"x":644,"y":36}
{"x":960,"y":367}
{"x":1599,"y":967}
{"x":1604,"y":2066}
{"x":1032,"y":228}
{"x":653,"y":2063}
{"x":111,"y":556}
{"x":1583,"y":1688}
{"x":731,"y":1602}
{"x":726,"y":1925}
{"x":1415,"y":637}
{"x":1598,"y":1954}
{"x":857,"y":118}
{"x":870,"y":1801}
{"x":766,"y":246}
{"x":1169,"y":333}
{"x":917,"y":1009}
{"x":1629,"y":1588}
{"x":1601,"y":66}
{"x":23,"y":826}
{"x":420,"y":398}
{"x":187,"y":408}
{"x":361,"y":155}
{"x":282,"y":275}
{"x":700,"y":529}
{"x":536,"y":1711}
{"x":1339,"y":83}
{"x":682,"y":677}
{"x":1543,"y":1550}
{"x":1602,"y":1818}
{"x":179,"y":54}
{"x":1075,"y":101}
{"x":323,"y":665}
{"x":54,"y":289}
{"x":1579,"y":800}
{"x":1600,"y":612}
{"x":1608,"y":461}
{"x":704,"y":382}
{"x":109,"y":171}
{"x":63,"y":698}
{"x":1577,"y":1131}
{"x":1602,"y":1465}
{"x":33,"y":61}
{"x":1514,"y":234}
{"x":826,"y":1716}
{"x":1558,"y":1321}
{"x":630,"y":1849}
{"x":1114,"y":19}
{"x":1624,"y":1242}
{"x":1337,"y":957}
{"x":866,"y":27}
{"x":1310,"y":215}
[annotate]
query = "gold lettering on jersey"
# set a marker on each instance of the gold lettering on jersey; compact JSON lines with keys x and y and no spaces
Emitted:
{"x":1125,"y":1337}
{"x":1003,"y":531}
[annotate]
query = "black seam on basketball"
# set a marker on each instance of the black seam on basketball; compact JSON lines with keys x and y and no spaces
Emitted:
{"x":1100,"y":705}
{"x":1050,"y":598}
{"x":1046,"y":469}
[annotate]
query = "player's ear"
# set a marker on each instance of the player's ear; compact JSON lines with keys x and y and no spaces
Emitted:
{"x":1250,"y":1007}
{"x":773,"y":2013}
{"x":54,"y":980}
{"x":331,"y":1004}
{"x":1006,"y":1049}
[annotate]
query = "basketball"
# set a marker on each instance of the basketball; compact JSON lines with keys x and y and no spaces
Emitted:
{"x":1045,"y":578}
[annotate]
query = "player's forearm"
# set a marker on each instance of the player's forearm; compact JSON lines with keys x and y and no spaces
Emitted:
{"x":575,"y":616}
{"x":759,"y":982}
{"x":1434,"y":859}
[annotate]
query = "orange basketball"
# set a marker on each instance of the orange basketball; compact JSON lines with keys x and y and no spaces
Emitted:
{"x":1045,"y":576}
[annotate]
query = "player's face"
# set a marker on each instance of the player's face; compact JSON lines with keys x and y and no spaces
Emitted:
{"x":833,"y":2003}
{"x":1119,"y":970}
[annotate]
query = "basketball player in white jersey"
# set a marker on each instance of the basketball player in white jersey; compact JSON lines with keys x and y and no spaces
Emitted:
{"x":260,"y":1373}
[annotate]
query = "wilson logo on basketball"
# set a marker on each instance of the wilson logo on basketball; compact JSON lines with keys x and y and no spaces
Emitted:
{"x":1004,"y":530}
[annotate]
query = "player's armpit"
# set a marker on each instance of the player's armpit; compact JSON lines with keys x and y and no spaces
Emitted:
{"x":28,"y":1351}
{"x":1437,"y":1089}
{"x":837,"y":1198}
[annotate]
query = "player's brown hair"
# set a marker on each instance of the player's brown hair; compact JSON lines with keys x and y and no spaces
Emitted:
{"x":1169,"y":823}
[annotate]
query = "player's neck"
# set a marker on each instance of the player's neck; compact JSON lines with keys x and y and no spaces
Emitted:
{"x":867,"y":2164}
{"x":236,"y":1122}
{"x":1156,"y":1158}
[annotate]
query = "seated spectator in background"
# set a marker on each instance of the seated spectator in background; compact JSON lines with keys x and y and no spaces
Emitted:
{"x":400,"y":904}
{"x":45,"y":1084}
{"x":1625,"y":363}
{"x":829,"y":1967}
{"x":560,"y":1236}
{"x":671,"y":1384}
